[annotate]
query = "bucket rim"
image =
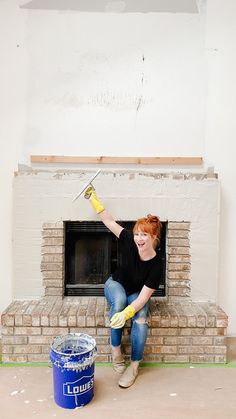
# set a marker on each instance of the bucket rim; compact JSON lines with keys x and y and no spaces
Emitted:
{"x":73,"y":335}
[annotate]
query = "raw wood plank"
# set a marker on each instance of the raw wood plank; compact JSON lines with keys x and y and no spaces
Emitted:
{"x":118,"y":160}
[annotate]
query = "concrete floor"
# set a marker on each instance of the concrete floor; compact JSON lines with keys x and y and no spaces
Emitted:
{"x":159,"y":392}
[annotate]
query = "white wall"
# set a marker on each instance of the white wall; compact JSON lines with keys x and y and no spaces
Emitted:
{"x":77,"y":84}
{"x":220,"y":138}
{"x":115,"y":84}
{"x":13,"y":79}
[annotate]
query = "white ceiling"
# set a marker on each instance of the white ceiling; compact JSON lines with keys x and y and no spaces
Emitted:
{"x":119,"y":6}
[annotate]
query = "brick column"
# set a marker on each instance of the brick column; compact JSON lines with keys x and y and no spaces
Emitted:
{"x":53,"y":259}
{"x":178,"y":261}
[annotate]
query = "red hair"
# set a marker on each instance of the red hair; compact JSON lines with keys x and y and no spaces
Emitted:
{"x":150,"y":224}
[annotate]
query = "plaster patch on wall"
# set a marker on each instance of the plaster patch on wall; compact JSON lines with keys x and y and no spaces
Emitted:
{"x":102,"y":80}
{"x":110,"y":100}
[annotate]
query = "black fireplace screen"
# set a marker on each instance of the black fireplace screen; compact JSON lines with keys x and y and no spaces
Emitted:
{"x":91,"y":255}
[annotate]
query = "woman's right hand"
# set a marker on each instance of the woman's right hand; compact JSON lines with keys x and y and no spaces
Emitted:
{"x":90,"y":194}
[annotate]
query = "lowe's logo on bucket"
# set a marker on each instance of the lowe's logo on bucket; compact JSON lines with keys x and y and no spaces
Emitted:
{"x":78,"y":387}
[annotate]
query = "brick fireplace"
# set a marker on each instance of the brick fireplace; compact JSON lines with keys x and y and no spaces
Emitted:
{"x":186,"y":325}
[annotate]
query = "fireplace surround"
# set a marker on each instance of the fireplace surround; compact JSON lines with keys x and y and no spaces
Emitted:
{"x":186,"y":325}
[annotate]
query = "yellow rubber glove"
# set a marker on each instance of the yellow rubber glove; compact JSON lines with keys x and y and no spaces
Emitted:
{"x":90,"y":194}
{"x":118,"y":319}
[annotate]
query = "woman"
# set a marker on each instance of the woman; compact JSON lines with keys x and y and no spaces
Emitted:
{"x":129,"y":289}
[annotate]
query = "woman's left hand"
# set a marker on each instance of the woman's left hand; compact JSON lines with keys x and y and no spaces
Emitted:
{"x":118,"y":319}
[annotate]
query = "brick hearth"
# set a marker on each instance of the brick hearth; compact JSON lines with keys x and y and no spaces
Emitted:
{"x":186,"y":332}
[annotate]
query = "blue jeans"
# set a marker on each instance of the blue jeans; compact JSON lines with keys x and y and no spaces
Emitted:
{"x":117,"y":299}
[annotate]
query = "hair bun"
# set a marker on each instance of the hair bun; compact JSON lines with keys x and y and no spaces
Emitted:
{"x":153,"y":219}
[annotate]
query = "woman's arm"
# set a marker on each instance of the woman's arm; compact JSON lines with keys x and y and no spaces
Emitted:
{"x":143,"y":298}
{"x":106,"y":218}
{"x":110,"y":223}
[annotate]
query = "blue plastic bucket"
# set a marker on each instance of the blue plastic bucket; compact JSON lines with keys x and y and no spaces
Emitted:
{"x":72,"y":357}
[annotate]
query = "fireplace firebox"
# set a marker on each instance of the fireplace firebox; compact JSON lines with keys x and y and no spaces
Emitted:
{"x":91,"y":255}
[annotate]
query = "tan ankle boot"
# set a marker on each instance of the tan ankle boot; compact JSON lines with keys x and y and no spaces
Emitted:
{"x":118,"y":363}
{"x":129,"y":377}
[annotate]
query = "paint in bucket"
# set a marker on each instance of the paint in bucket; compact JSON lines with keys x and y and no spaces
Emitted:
{"x":73,"y":358}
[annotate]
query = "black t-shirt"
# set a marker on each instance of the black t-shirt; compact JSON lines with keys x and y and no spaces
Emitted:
{"x":133,"y":273}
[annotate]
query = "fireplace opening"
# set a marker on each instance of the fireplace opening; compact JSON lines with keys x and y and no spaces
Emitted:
{"x":91,"y":255}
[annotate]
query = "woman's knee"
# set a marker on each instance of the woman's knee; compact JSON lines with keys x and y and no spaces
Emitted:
{"x":141,"y":320}
{"x":119,"y":303}
{"x":115,"y":295}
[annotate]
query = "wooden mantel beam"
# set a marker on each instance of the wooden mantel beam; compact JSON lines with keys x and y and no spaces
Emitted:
{"x":190,"y":161}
